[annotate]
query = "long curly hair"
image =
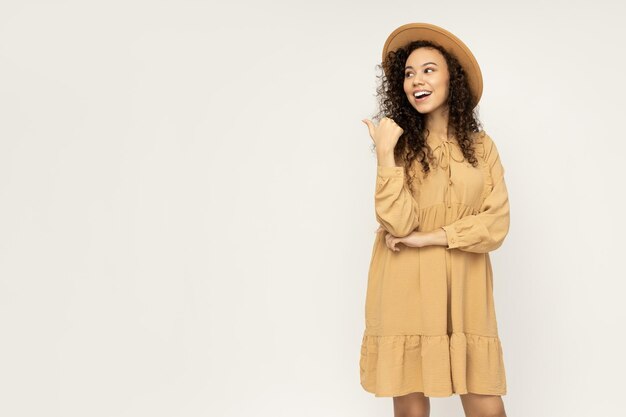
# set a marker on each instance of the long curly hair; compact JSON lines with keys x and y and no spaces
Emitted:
{"x":393,"y":103}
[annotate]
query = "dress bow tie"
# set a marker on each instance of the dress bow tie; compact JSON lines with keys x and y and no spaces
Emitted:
{"x":445,"y":151}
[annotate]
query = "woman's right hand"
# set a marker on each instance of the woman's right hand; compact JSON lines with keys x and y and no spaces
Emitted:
{"x":385,"y":135}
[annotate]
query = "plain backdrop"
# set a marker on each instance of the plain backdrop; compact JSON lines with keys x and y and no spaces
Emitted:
{"x":186,"y":203}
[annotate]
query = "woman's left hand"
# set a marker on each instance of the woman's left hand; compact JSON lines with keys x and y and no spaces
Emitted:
{"x":414,"y":240}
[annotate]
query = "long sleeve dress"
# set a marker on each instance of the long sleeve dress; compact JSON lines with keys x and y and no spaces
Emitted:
{"x":430,"y":320}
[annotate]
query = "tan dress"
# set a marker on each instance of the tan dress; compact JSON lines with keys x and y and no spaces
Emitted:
{"x":430,"y":320}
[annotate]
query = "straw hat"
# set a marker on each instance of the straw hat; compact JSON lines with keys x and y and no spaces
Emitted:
{"x":405,"y":34}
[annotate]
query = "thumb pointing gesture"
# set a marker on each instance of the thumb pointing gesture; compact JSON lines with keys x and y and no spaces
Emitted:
{"x":370,"y":127}
{"x":386,"y":134}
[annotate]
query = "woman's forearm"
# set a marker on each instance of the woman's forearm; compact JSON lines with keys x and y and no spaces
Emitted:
{"x":439,"y":237}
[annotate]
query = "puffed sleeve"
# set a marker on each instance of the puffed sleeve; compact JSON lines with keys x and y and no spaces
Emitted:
{"x":396,"y":209}
{"x":486,"y":230}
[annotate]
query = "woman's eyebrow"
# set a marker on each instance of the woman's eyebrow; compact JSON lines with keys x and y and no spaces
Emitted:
{"x":422,"y":65}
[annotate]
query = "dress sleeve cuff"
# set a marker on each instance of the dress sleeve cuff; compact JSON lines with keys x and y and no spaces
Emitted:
{"x":452,"y":236}
{"x":387,"y":172}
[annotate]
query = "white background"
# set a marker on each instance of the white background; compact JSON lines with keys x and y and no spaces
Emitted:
{"x":186,"y":203}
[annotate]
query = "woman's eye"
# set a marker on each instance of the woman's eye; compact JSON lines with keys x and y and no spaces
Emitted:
{"x":409,"y":73}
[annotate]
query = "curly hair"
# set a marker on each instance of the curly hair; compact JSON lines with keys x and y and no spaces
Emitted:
{"x":393,"y":103}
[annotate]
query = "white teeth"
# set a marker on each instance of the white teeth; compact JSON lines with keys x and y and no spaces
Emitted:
{"x":419,"y":94}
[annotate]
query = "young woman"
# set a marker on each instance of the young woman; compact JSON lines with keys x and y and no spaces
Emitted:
{"x":442,"y":205}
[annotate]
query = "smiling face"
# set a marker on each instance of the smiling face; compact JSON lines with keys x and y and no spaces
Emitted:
{"x":426,"y":69}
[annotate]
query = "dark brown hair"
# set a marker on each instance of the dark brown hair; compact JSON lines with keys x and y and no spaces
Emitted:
{"x":393,"y":103}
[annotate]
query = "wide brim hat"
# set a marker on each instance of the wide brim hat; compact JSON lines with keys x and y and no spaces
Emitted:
{"x":405,"y":34}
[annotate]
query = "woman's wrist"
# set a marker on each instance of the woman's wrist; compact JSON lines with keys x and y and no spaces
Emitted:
{"x":386,"y":158}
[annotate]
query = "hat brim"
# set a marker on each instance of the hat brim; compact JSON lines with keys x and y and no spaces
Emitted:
{"x":410,"y":32}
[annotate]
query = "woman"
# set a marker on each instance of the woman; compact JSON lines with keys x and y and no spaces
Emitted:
{"x":442,"y":205}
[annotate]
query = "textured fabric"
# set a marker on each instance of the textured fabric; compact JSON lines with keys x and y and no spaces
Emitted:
{"x":430,"y":320}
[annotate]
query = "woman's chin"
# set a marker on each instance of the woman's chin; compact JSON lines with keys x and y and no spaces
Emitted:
{"x":422,"y":109}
